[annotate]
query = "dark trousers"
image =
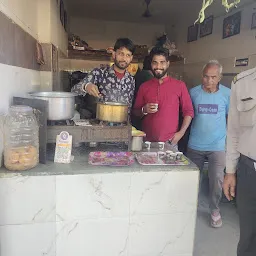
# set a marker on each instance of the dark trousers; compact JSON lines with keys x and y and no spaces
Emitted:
{"x":246,"y":204}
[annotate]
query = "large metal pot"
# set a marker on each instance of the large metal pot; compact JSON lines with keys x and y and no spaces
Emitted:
{"x":115,"y":112}
{"x":61,"y":104}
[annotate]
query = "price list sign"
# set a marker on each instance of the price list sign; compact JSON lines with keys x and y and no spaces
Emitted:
{"x":63,"y":148}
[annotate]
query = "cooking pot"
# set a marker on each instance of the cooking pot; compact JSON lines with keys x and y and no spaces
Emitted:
{"x":61,"y":105}
{"x":115,"y":112}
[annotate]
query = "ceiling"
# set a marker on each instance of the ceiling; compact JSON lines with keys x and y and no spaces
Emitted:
{"x":163,"y":11}
{"x":131,"y":10}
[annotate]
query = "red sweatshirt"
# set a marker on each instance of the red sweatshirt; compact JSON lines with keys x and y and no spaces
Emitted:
{"x":171,"y":96}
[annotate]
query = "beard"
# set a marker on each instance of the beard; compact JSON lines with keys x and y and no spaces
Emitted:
{"x":158,"y":74}
{"x":121,"y":64}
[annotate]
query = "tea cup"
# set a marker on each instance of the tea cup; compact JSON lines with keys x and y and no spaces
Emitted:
{"x":179,"y":155}
{"x":147,"y":145}
{"x":161,"y":145}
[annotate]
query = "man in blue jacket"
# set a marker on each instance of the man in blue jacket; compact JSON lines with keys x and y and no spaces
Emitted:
{"x":208,"y":132}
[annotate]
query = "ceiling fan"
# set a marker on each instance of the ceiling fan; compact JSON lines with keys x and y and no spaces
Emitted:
{"x":147,"y":13}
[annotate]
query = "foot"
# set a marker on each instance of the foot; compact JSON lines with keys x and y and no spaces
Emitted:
{"x":216,"y":221}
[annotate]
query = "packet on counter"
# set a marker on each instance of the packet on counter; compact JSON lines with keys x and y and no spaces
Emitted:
{"x":82,"y":122}
{"x":137,"y":133}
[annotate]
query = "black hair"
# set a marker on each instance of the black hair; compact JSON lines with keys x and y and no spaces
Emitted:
{"x":158,"y":50}
{"x":147,"y":63}
{"x":124,"y":42}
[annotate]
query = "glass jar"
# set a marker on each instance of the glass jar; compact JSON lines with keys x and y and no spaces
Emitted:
{"x":21,"y":145}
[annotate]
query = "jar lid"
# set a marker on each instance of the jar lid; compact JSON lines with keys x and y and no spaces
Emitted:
{"x":21,"y":108}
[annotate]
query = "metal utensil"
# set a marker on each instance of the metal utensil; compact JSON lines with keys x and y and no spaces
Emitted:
{"x":61,"y":104}
{"x":115,"y":112}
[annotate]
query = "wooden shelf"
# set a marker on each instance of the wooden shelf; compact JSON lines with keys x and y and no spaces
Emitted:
{"x":100,"y":55}
{"x":89,"y":55}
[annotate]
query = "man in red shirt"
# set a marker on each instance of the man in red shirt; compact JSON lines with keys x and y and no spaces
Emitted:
{"x":159,"y":100}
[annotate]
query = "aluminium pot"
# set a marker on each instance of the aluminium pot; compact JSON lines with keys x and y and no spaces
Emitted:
{"x":61,"y":105}
{"x":115,"y":112}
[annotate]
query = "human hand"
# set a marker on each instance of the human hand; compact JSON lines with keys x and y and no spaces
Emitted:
{"x":229,"y":185}
{"x":93,"y":90}
{"x":176,"y":138}
{"x":150,"y":108}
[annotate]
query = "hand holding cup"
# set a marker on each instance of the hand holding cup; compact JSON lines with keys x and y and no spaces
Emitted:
{"x":151,"y":108}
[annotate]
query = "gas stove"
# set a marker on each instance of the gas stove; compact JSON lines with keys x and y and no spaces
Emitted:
{"x":90,"y":131}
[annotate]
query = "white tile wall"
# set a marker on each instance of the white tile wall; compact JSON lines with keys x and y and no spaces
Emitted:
{"x":28,"y":240}
{"x":27,"y":200}
{"x":16,"y":81}
{"x":46,"y":81}
{"x":160,"y":193}
{"x":103,"y":237}
{"x":169,"y":234}
{"x":115,"y":214}
{"x":92,"y":196}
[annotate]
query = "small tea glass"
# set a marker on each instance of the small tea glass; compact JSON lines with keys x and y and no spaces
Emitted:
{"x":168,"y":153}
{"x":179,"y":155}
{"x":161,"y":145}
{"x":147,"y":145}
{"x":173,"y":156}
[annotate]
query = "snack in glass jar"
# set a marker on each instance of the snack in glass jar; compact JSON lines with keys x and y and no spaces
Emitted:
{"x":21,"y":158}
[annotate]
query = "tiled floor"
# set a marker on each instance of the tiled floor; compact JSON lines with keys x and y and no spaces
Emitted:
{"x":216,"y":242}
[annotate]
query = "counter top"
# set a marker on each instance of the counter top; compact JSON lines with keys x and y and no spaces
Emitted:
{"x":80,"y":165}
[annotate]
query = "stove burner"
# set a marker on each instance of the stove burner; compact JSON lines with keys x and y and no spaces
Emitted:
{"x":92,"y":122}
{"x":60,"y":123}
{"x":112,"y":124}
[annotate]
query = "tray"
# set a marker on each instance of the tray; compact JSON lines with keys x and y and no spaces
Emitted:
{"x":151,"y":158}
{"x":111,"y":158}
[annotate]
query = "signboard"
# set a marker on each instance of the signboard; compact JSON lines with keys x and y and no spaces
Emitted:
{"x":63,"y":148}
{"x":241,"y":62}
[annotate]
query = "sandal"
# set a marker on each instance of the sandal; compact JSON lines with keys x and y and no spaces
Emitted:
{"x":216,"y":221}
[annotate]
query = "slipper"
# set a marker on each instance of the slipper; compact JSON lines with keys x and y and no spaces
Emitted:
{"x":216,"y":221}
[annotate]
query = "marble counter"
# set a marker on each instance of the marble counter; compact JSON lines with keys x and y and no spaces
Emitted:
{"x":83,"y":210}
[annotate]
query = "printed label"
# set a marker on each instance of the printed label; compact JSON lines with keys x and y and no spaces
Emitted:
{"x":208,"y":109}
{"x":63,"y":148}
